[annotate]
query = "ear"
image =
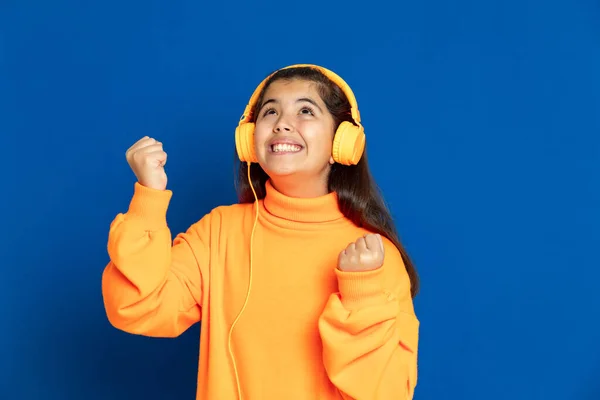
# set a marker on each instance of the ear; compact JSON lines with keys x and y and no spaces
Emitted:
{"x":331,"y":160}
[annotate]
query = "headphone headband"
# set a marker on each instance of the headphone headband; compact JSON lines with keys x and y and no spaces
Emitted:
{"x":336,"y":79}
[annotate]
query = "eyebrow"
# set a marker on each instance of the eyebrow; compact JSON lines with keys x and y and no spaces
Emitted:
{"x":300,"y":100}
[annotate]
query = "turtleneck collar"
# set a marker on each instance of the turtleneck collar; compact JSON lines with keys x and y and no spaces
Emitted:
{"x":316,"y":209}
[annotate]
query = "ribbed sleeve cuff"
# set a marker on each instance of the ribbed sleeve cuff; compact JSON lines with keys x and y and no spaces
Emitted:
{"x":149,"y":206}
{"x":360,"y":289}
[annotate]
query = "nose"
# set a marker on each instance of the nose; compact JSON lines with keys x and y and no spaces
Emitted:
{"x":282,"y":126}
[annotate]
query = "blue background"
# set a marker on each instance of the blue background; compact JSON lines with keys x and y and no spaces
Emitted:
{"x":483,"y":123}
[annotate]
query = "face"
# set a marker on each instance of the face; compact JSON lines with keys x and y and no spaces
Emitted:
{"x":294,"y":132}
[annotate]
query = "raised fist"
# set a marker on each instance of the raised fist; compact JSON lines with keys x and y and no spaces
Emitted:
{"x":365,"y":254}
{"x":147,"y":160}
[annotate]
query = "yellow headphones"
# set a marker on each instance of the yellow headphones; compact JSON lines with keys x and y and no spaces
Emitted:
{"x":349,"y":139}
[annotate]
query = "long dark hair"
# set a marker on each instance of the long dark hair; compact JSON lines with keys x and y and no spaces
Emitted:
{"x":359,"y":197}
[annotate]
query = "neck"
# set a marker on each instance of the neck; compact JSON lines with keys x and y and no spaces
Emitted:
{"x":298,"y":188}
{"x":300,"y":209}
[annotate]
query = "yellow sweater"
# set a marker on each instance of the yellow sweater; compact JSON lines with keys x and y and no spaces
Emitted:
{"x":309,"y":330}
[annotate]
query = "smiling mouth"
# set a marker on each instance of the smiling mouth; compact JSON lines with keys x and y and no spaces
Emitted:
{"x":285,"y":148}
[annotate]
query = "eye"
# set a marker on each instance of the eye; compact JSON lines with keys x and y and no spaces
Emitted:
{"x":268,"y":111}
{"x":307,"y":111}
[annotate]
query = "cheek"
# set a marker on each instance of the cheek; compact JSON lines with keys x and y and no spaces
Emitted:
{"x":320,"y":140}
{"x":260,"y":133}
{"x":323,"y":133}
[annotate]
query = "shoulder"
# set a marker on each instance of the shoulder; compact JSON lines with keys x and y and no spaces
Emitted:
{"x":224,"y":216}
{"x":394,"y":267}
{"x":229,"y":211}
{"x":392,"y":252}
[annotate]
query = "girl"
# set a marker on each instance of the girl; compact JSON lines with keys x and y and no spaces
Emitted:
{"x":303,"y":288}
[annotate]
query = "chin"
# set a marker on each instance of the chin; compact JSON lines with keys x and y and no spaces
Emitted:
{"x":277,"y":167}
{"x":279,"y":172}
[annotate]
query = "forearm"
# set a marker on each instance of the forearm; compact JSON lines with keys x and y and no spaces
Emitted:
{"x":150,"y":286}
{"x":370,"y":338}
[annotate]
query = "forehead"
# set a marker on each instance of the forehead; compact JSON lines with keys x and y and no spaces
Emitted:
{"x":292,"y":88}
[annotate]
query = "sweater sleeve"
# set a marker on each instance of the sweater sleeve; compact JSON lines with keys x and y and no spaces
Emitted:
{"x":370,"y":333}
{"x":152,"y":286}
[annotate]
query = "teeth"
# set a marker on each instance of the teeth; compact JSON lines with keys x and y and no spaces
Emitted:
{"x":286,"y":147}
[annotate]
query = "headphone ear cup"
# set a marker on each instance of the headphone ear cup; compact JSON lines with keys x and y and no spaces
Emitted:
{"x":348,"y":144}
{"x":244,"y":142}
